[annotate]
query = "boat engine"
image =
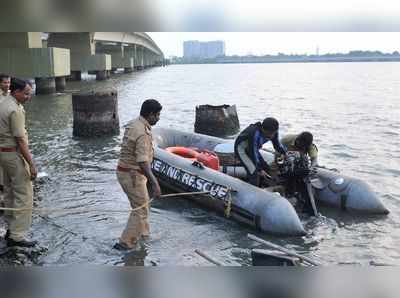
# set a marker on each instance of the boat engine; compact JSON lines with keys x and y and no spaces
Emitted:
{"x":293,"y":174}
{"x":295,"y":165}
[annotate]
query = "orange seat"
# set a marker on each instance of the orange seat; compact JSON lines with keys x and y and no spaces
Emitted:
{"x":207,"y":158}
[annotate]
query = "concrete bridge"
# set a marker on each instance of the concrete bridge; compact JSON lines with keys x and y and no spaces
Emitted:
{"x":66,"y":55}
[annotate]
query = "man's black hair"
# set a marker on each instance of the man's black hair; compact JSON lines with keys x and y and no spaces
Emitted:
{"x":18,"y":84}
{"x":270,"y":124}
{"x":4,"y":76}
{"x":304,"y":140}
{"x":150,"y":106}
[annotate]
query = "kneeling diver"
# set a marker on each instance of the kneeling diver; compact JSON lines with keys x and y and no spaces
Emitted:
{"x":250,"y":141}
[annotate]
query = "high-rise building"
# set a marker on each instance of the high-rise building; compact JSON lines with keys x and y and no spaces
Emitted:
{"x":200,"y":50}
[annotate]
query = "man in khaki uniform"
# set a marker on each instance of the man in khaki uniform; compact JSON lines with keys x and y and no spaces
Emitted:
{"x":16,"y":161}
{"x":134,"y":170}
{"x":302,"y":143}
{"x":4,"y":88}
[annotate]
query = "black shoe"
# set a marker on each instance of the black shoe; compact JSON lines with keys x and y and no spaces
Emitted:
{"x":122,"y":246}
{"x":21,"y":243}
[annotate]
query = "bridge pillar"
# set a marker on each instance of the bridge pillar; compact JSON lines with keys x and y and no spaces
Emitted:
{"x":45,"y":85}
{"x":21,"y":40}
{"x":102,"y":75}
{"x":82,"y":47}
{"x":24,"y":56}
{"x":75,"y":76}
{"x":145,"y":59}
{"x":120,"y":57}
{"x":60,"y":84}
{"x":219,"y":121}
{"x":95,"y":114}
{"x":139,"y":58}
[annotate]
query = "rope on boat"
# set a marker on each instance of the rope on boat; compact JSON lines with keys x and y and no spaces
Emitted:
{"x":228,"y":204}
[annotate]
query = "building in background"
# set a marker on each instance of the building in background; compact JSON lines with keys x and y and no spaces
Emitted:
{"x":194,"y":49}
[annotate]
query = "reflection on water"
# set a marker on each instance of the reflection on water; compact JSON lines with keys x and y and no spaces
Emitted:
{"x":354,"y":118}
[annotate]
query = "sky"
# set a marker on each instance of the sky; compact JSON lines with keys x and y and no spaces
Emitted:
{"x":261,"y":43}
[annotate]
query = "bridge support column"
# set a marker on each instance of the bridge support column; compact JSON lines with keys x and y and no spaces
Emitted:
{"x":102,"y":75}
{"x":60,"y":84}
{"x":219,"y":121}
{"x":45,"y":85}
{"x":76,"y":75}
{"x":128,"y":69}
{"x":95,"y":114}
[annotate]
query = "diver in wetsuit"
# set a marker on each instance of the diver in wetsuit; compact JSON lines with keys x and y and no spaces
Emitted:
{"x":248,"y":144}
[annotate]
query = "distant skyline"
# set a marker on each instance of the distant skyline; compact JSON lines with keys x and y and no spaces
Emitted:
{"x":272,"y":43}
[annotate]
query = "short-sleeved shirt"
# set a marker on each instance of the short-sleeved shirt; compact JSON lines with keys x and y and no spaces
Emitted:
{"x":12,"y":122}
{"x":137,"y":144}
{"x":2,"y":95}
{"x":288,"y":142}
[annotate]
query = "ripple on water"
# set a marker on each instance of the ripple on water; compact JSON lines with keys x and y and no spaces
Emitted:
{"x":80,"y":169}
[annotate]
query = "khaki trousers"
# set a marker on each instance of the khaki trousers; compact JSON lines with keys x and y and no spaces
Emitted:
{"x":18,"y":193}
{"x":134,"y":186}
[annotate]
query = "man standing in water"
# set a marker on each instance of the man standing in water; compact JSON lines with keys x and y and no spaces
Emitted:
{"x":17,"y":163}
{"x":248,"y":145}
{"x":134,"y":170}
{"x":4,"y":88}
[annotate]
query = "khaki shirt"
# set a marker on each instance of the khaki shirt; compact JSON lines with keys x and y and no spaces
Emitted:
{"x":12,"y":122}
{"x":3,"y":95}
{"x":288,"y":142}
{"x":137,"y":144}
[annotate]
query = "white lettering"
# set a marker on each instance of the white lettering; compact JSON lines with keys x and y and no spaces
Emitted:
{"x":192,"y":180}
{"x":156,"y":165}
{"x":185,"y":178}
{"x":207,"y":186}
{"x":199,"y":184}
{"x":222,"y":192}
{"x":171,"y":172}
{"x":177,"y":174}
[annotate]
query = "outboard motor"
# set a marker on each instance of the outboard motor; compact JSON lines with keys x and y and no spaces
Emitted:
{"x":294,"y":165}
{"x":293,"y":171}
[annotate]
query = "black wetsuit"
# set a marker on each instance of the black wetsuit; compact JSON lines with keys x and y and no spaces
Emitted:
{"x":251,"y":140}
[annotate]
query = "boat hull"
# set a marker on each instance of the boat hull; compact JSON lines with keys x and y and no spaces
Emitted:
{"x":267,"y":211}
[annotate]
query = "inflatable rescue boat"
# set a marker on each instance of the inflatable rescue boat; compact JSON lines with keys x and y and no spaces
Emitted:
{"x":190,"y":162}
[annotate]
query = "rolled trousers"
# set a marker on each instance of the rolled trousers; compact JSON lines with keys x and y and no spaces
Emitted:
{"x":134,"y":186}
{"x":18,"y":193}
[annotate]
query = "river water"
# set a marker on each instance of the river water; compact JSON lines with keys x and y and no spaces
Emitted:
{"x":352,"y":109}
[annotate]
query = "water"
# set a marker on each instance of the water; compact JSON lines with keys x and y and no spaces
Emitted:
{"x":352,"y":109}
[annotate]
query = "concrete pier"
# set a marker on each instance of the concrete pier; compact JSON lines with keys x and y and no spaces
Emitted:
{"x":95,"y":114}
{"x":23,"y":56}
{"x":60,"y":84}
{"x":128,"y":69}
{"x":219,"y":121}
{"x":45,"y":85}
{"x":101,"y":75}
{"x":75,"y":76}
